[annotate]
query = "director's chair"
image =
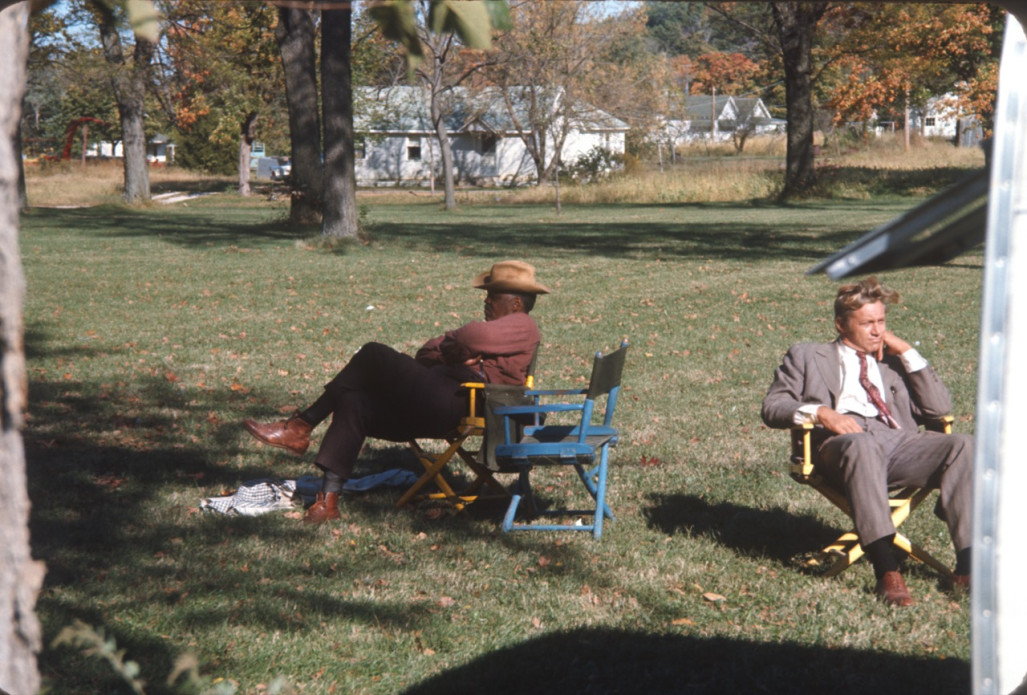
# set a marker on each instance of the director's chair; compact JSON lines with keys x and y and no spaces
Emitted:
{"x":583,"y":444}
{"x":845,"y":550}
{"x":459,"y":445}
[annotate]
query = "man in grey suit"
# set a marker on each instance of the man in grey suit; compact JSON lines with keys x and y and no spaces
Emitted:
{"x":865,"y":392}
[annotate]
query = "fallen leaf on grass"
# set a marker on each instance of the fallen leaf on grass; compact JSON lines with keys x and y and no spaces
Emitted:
{"x":713,"y":597}
{"x":682,"y":621}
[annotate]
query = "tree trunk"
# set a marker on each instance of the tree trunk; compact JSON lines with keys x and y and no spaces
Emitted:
{"x":796,"y":24}
{"x":129,"y":84}
{"x":295,"y":35}
{"x":246,"y":137}
{"x":445,"y":148}
{"x":20,"y":576}
{"x":340,"y":194}
{"x":23,"y":195}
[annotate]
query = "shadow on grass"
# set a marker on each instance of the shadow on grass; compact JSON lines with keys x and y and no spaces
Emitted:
{"x":761,"y":533}
{"x":616,"y":661}
{"x":927,"y":181}
{"x":100,"y":458}
{"x":699,"y":230}
{"x":184,"y":226}
{"x":658,"y":239}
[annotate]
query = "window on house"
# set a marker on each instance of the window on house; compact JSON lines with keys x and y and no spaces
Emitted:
{"x":487,"y":143}
{"x":929,"y":121}
{"x":414,"y":150}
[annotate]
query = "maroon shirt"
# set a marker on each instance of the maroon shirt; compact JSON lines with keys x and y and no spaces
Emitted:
{"x":505,"y":346}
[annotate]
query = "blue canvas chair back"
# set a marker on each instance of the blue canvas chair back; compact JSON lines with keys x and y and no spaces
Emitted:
{"x":584,"y":444}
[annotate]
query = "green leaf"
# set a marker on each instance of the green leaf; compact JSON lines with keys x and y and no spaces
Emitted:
{"x":468,"y":19}
{"x":398,"y":22}
{"x":499,"y":14}
{"x":144,"y":19}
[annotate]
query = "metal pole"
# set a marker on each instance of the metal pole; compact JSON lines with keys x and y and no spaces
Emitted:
{"x":998,"y":602}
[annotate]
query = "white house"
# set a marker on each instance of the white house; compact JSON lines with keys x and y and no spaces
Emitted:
{"x":943,"y":118}
{"x":717,"y":117}
{"x":396,"y":143}
{"x":158,"y":149}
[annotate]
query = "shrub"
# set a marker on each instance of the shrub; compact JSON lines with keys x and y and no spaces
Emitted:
{"x":596,"y":165}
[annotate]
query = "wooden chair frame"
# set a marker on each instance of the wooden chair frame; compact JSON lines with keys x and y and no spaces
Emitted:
{"x":471,"y":426}
{"x":846,"y":549}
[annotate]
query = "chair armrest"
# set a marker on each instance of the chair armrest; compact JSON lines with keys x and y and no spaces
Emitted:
{"x":540,"y":408}
{"x":802,"y":452}
{"x":556,"y":392}
{"x":473,"y":388}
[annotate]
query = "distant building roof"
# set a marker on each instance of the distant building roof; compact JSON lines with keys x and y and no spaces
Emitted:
{"x":404,"y":109}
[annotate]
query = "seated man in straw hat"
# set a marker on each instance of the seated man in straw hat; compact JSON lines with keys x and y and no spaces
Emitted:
{"x":388,"y":395}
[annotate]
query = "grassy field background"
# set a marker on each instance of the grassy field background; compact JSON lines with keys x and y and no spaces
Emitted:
{"x":153,"y":331}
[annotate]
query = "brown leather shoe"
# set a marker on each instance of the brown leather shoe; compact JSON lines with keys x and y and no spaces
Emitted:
{"x":325,"y":508}
{"x":892,"y":589}
{"x":292,"y":434}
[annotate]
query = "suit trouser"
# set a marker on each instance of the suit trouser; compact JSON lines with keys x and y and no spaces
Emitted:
{"x":386,"y":394}
{"x":868,"y":464}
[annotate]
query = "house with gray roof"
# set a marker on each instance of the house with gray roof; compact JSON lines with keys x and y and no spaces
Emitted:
{"x":396,"y":143}
{"x":719,"y":118}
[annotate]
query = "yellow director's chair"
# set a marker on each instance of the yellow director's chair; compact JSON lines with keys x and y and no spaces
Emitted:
{"x":466,"y":444}
{"x":845,"y":550}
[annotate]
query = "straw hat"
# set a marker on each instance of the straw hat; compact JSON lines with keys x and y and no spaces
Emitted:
{"x":510,"y":276}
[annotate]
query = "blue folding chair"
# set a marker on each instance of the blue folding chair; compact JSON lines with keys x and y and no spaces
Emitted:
{"x":527,"y":443}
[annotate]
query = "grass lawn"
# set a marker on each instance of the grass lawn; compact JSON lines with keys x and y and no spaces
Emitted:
{"x":152,"y":332}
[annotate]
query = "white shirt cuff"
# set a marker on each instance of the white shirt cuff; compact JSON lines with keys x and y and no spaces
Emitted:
{"x":806,"y":414}
{"x":912,"y":361}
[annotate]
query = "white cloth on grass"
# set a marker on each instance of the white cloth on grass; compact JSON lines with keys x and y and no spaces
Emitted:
{"x":258,"y":497}
{"x":253,"y":498}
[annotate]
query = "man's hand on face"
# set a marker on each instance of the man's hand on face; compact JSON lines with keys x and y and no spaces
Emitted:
{"x":836,"y":422}
{"x":893,"y":345}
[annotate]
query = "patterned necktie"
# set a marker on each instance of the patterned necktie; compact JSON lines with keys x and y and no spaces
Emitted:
{"x":874,"y":394}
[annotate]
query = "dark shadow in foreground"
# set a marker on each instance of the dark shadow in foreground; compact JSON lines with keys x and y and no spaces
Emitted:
{"x":619,"y":661}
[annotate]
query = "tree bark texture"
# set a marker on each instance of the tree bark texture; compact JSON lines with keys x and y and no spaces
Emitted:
{"x":445,"y":148}
{"x":129,"y":82}
{"x":433,"y":79}
{"x":796,"y":24}
{"x":340,"y":189}
{"x":295,"y":36}
{"x":248,"y":132}
{"x":20,"y":576}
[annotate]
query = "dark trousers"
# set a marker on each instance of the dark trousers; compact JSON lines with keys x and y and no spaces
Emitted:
{"x":388,"y":395}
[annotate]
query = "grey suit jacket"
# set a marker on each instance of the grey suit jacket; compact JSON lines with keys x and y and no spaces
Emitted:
{"x":811,"y":373}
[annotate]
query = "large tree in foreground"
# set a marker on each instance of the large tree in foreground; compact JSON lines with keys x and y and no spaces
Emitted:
{"x":20,"y":576}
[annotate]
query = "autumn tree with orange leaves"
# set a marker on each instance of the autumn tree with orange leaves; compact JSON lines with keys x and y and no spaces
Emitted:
{"x":727,"y":73}
{"x":226,"y":79}
{"x":893,"y":58}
